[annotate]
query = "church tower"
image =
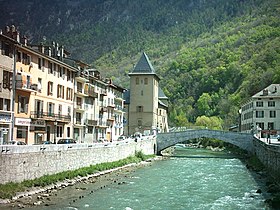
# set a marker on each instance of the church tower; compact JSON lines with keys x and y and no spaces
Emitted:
{"x":144,"y":98}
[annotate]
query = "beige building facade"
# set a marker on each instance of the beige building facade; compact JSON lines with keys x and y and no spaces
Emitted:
{"x":47,"y":96}
{"x":146,"y":104}
{"x":261,"y":114}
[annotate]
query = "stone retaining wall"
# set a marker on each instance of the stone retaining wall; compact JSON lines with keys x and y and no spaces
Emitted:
{"x":18,"y":163}
{"x":269,"y":155}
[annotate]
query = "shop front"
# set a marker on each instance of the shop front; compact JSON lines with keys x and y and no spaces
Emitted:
{"x":5,"y":124}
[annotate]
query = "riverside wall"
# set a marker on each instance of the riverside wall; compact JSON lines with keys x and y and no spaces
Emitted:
{"x":269,"y":155}
{"x":19,"y":163}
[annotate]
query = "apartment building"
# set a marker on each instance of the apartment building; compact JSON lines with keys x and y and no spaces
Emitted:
{"x":98,"y":108}
{"x":46,"y":95}
{"x":7,"y":55}
{"x":261,"y":113}
{"x":146,"y":104}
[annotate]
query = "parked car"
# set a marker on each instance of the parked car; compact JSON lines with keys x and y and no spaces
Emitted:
{"x":46,"y":142}
{"x":66,"y":141}
{"x":278,"y":137}
{"x":14,"y":142}
{"x":121,"y":138}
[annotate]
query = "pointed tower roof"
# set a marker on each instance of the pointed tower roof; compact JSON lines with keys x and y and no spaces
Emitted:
{"x":143,"y":66}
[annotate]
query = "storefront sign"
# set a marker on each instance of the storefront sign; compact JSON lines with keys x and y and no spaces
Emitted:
{"x":38,"y":123}
{"x":5,"y":118}
{"x":22,"y":121}
{"x":29,"y":122}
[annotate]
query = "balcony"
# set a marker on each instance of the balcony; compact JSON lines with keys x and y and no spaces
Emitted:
{"x":103,"y":93}
{"x":79,"y":107}
{"x":111,"y":105}
{"x":91,"y":122}
{"x":50,"y":116}
{"x":26,"y":85}
{"x":119,"y":108}
{"x":89,"y":90}
{"x":103,"y":109}
{"x":78,"y":121}
{"x":111,"y":119}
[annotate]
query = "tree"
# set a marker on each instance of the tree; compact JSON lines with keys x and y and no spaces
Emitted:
{"x":214,"y":122}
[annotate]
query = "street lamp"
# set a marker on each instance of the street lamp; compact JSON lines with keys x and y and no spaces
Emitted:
{"x":55,"y":125}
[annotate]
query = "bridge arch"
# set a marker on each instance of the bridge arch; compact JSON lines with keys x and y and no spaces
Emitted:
{"x":241,"y":140}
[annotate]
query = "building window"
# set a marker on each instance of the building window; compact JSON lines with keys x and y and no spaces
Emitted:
{"x":270,"y":125}
{"x":259,"y":104}
{"x":69,"y":93}
{"x":146,"y":81}
{"x":137,"y":81}
{"x":79,"y":87}
{"x":79,"y":102}
{"x":40,"y":85}
{"x":139,"y":122}
{"x":22,"y":104}
{"x":272,"y":114}
{"x":69,"y":111}
{"x":50,"y":109}
{"x":54,"y":69}
{"x":59,"y":131}
{"x":7,"y":106}
{"x":26,"y":59}
{"x":78,"y":118}
{"x":50,"y":88}
{"x":260,"y":125}
{"x":59,"y":109}
{"x":50,"y":68}
{"x":6,"y":49}
{"x":68,"y":75}
{"x":18,"y":56}
{"x":139,"y":109}
{"x":271,"y":103}
{"x":142,"y":92}
{"x":39,"y":63}
{"x":21,"y":132}
{"x":68,"y":132}
{"x":259,"y":114}
{"x":60,"y":91}
{"x":90,"y":129}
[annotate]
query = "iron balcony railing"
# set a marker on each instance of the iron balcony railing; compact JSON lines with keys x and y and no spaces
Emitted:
{"x":50,"y":116}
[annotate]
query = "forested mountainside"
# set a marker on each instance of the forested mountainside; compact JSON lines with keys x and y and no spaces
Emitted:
{"x":211,"y":55}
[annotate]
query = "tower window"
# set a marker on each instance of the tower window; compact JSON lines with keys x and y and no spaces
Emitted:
{"x":137,"y":81}
{"x":146,"y":81}
{"x":139,"y":108}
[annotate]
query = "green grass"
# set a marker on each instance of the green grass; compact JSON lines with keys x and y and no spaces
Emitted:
{"x":10,"y":189}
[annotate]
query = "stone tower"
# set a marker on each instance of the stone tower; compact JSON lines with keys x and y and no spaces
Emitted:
{"x":143,"y":111}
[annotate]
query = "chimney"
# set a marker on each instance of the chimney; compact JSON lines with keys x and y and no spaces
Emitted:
{"x":41,"y":48}
{"x":56,"y":49}
{"x":49,"y":50}
{"x":61,"y":51}
{"x":24,"y":40}
{"x":7,"y":29}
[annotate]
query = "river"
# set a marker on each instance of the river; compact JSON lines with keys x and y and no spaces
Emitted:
{"x":192,"y":179}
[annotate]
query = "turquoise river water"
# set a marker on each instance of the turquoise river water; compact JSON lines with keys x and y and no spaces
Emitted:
{"x":192,"y":179}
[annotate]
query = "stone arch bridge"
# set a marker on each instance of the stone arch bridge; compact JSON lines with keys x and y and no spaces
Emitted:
{"x":242,"y":140}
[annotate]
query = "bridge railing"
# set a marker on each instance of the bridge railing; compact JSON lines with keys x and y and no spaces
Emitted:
{"x":179,"y":129}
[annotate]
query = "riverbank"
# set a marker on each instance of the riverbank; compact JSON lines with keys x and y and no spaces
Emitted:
{"x":51,"y":194}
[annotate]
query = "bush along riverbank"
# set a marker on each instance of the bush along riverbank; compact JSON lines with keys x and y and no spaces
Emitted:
{"x":271,"y":188}
{"x":11,"y":192}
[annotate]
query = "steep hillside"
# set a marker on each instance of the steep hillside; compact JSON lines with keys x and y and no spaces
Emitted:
{"x":211,"y":55}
